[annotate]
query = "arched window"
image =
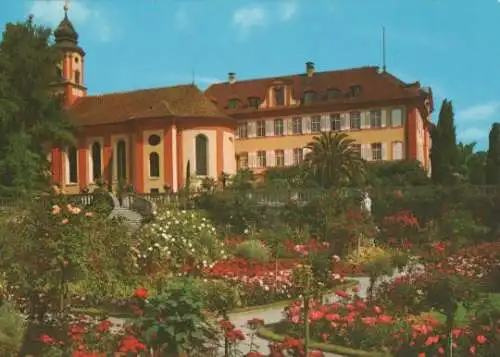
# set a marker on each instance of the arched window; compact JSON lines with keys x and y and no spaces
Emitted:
{"x":96,"y":161}
{"x":72,"y":165}
{"x":201,"y":147}
{"x":154,"y":165}
{"x":121,"y":160}
{"x":77,"y":77}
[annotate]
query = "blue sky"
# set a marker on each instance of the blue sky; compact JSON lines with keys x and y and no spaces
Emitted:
{"x":450,"y":45}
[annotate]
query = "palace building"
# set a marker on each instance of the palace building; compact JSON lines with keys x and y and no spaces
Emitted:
{"x":277,"y":117}
{"x":146,"y":138}
{"x":150,"y":138}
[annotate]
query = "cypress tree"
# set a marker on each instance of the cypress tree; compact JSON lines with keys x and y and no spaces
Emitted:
{"x":444,"y":154}
{"x":493,"y":156}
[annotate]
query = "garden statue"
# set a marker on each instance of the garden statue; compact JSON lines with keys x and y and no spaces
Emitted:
{"x":366,"y":204}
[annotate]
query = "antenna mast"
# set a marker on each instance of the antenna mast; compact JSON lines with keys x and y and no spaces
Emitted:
{"x":193,"y":77}
{"x":384,"y":67}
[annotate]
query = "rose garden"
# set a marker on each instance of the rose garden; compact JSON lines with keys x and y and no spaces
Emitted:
{"x":238,"y":270}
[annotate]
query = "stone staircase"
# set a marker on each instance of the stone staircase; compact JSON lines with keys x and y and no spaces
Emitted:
{"x":123,"y":210}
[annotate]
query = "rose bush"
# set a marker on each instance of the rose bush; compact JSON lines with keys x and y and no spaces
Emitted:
{"x":354,"y":322}
{"x":176,"y":239}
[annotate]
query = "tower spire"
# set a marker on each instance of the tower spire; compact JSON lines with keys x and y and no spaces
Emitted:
{"x":66,"y":7}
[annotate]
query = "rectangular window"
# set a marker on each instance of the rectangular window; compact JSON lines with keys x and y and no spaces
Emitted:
{"x":243,"y":130}
{"x":279,"y":158}
{"x":375,"y":119}
{"x":279,"y":96}
{"x":335,"y":122}
{"x":254,"y":102}
{"x":72,"y":158}
{"x":297,"y":126}
{"x":356,"y":148}
{"x":355,"y":120}
{"x":261,"y":159}
{"x":298,"y":156}
{"x":376,"y":151}
{"x":315,"y":124}
{"x":261,"y":128}
{"x":278,"y":127}
{"x":243,"y":161}
{"x":396,"y":117}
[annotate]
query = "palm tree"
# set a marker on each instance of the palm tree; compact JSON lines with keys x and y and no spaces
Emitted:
{"x":332,"y":160}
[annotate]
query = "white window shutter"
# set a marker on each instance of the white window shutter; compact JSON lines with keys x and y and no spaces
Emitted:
{"x":366,"y":152}
{"x":270,"y":161}
{"x":324,"y":122}
{"x":384,"y":151}
{"x":306,"y":125}
{"x":252,"y":129}
{"x":397,"y":150}
{"x":383,"y":118}
{"x":252,"y":160}
{"x":288,"y":157}
{"x":288,"y":126}
{"x":270,"y":127}
{"x":365,"y":120}
{"x":344,"y":121}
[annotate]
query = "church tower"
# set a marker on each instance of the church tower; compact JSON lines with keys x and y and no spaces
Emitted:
{"x":71,"y":67}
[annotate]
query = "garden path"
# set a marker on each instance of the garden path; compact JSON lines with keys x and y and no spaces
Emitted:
{"x":275,"y":314}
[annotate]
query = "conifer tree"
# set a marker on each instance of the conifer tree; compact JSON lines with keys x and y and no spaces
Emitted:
{"x":493,"y":156}
{"x":444,"y":154}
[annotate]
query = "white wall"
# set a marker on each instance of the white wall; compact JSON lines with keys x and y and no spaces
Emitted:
{"x":229,"y":162}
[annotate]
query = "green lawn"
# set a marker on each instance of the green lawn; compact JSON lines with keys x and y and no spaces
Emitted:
{"x":462,"y":317}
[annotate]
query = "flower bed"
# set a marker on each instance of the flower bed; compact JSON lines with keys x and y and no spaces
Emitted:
{"x":262,"y":283}
{"x":358,"y":325}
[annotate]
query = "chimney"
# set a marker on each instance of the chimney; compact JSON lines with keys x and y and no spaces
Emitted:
{"x":310,"y":68}
{"x":231,"y":77}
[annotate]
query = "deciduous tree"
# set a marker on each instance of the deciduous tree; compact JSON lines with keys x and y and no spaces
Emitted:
{"x":31,"y":116}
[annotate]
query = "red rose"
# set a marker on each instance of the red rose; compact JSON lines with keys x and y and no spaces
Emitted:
{"x":141,"y":293}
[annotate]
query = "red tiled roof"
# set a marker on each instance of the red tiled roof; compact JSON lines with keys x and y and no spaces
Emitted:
{"x":184,"y":101}
{"x":375,"y":86}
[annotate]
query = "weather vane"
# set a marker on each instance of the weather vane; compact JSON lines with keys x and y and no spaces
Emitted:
{"x":66,"y":5}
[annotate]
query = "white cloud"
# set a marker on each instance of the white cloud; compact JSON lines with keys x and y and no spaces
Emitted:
{"x":249,"y":17}
{"x":207,"y":80}
{"x":80,"y":14}
{"x":479,"y":112}
{"x":288,"y":10}
{"x":473,"y":134}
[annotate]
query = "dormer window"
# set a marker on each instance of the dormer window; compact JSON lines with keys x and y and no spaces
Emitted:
{"x":279,"y":96}
{"x":333,"y":93}
{"x":254,"y":102}
{"x":355,"y":91}
{"x":232,"y":103}
{"x":309,"y":97}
